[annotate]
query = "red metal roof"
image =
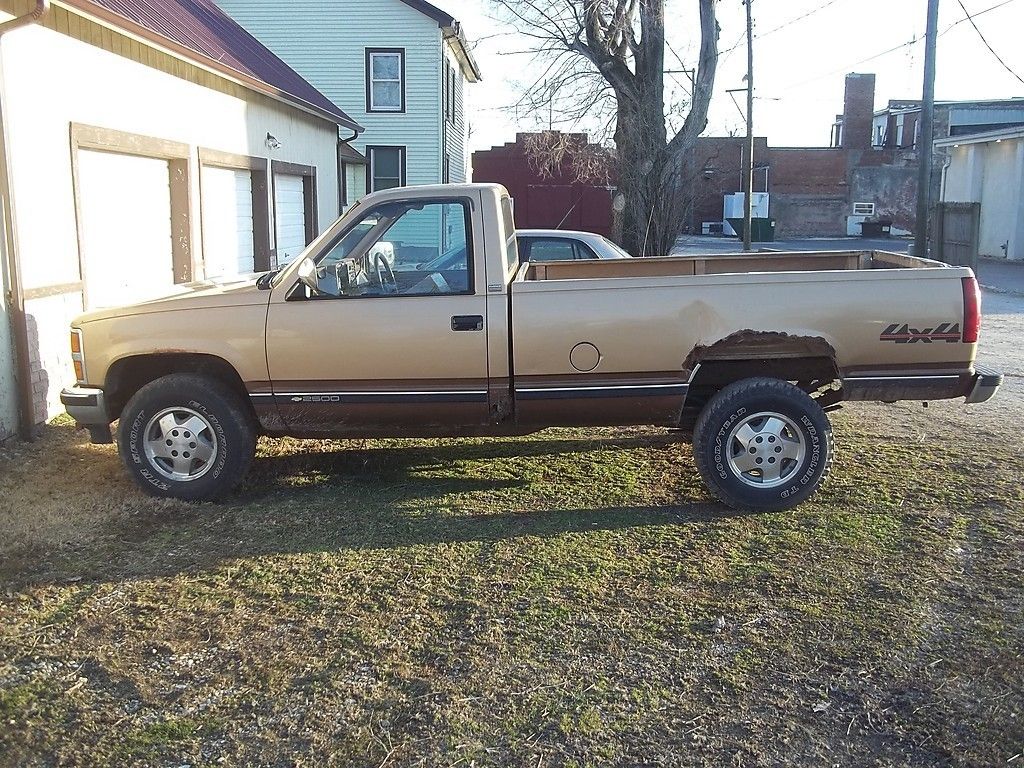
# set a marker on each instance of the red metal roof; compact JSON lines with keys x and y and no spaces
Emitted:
{"x":202,"y":28}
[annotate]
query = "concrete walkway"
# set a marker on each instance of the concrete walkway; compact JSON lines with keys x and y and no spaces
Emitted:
{"x":690,"y":245}
{"x":1002,"y":276}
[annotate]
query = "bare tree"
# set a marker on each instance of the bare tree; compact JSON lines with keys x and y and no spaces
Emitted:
{"x":553,"y":153}
{"x":607,"y":58}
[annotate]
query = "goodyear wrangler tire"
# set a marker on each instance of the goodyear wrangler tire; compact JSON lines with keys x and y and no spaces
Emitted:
{"x":763,"y":444}
{"x":186,"y":437}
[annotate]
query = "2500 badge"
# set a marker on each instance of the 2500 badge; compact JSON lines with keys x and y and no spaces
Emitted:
{"x":901,"y":333}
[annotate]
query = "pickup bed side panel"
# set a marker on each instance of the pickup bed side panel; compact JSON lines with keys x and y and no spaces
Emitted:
{"x":619,"y":351}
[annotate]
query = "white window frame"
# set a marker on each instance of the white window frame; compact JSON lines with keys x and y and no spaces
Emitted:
{"x":371,"y":54}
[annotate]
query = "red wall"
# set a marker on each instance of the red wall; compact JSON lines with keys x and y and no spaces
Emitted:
{"x":547,"y":201}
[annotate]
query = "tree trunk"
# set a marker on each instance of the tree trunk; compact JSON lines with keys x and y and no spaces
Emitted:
{"x":640,"y":145}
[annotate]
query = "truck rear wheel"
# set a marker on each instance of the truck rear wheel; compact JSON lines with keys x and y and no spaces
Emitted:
{"x":763,"y":444}
{"x":186,"y":437}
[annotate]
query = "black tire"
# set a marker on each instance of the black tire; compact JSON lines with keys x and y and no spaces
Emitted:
{"x":228,"y":435}
{"x":806,"y":439}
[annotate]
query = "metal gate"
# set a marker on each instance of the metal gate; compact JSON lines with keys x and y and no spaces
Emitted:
{"x":957,"y":228}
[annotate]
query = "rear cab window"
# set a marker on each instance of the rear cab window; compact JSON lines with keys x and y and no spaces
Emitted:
{"x":511,"y":246}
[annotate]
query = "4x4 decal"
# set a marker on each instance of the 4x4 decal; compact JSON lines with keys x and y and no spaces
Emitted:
{"x":904,"y":334}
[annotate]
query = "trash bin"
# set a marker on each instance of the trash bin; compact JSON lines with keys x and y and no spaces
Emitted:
{"x":880,"y":228}
{"x":761,"y":230}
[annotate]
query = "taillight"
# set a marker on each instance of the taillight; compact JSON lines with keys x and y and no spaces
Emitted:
{"x":972,"y":310}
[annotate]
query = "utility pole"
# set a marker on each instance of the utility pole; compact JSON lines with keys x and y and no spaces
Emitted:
{"x":748,"y":201}
{"x":926,"y":133}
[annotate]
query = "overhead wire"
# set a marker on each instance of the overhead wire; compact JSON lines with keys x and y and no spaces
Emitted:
{"x":913,"y":41}
{"x":999,"y":58}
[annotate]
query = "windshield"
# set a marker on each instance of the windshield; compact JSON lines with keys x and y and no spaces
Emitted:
{"x":275,"y":276}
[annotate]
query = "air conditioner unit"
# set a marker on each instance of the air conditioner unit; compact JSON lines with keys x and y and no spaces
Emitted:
{"x":863,"y":209}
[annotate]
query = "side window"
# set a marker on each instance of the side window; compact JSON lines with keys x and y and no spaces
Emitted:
{"x":387,"y":167}
{"x":583,"y":251}
{"x":415,"y":248}
{"x":554,"y":249}
{"x":385,"y":80}
{"x":524,"y":250}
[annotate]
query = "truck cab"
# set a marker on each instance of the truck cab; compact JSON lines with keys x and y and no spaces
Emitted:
{"x":401,"y":344}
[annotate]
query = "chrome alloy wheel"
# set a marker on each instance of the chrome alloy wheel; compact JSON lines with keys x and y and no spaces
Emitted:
{"x":766,"y":450}
{"x":180,"y":444}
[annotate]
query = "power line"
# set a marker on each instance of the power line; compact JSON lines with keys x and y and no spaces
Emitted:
{"x":913,"y":41}
{"x":987,"y":45}
{"x":782,"y":26}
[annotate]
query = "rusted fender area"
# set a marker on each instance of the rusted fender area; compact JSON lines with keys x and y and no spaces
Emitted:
{"x":759,"y":345}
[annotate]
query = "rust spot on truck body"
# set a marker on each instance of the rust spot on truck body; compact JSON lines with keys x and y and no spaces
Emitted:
{"x":758,"y":345}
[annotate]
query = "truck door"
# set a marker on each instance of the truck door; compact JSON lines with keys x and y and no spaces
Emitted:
{"x":394,"y":339}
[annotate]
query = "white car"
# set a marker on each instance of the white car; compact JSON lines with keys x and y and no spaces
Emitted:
{"x":565,"y":245}
{"x":536,"y":245}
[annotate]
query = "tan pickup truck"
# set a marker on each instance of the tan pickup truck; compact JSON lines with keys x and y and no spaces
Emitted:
{"x":412,"y":316}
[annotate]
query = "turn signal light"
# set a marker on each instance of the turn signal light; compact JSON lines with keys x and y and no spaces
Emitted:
{"x":76,"y":355}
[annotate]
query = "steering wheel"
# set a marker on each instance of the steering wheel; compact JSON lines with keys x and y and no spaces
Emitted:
{"x":385,"y":274}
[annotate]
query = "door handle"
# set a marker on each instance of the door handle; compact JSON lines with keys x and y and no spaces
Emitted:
{"x":468,"y":323}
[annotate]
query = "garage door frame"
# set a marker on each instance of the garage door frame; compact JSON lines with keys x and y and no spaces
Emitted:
{"x":259,"y":168}
{"x":308,"y":174}
{"x":178,"y":157}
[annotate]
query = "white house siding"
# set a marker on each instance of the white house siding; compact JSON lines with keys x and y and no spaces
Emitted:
{"x":992,"y":174}
{"x":355,"y":183}
{"x":325,"y":41}
{"x":53,"y":81}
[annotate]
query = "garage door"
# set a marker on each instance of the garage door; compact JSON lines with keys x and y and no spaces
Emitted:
{"x":125,"y":204}
{"x":290,"y":210}
{"x":228,"y":243}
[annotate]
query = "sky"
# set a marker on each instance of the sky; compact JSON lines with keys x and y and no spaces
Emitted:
{"x":802,"y":53}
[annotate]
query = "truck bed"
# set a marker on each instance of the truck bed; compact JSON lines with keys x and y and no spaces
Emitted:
{"x":733,"y":263}
{"x":648,"y":324}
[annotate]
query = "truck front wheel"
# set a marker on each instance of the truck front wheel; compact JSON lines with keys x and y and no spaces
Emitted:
{"x":186,"y":437}
{"x":763,"y":444}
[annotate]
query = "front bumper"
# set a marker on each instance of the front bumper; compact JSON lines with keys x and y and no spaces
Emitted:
{"x":986,"y":382}
{"x":85,"y":405}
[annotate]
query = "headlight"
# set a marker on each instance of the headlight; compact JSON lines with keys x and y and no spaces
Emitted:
{"x":77,"y":355}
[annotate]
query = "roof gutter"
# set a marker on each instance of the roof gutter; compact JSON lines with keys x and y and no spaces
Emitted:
{"x":32,"y":17}
{"x":26,"y":418}
{"x":455,"y":35}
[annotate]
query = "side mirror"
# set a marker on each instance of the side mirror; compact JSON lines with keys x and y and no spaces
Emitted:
{"x":307,"y":275}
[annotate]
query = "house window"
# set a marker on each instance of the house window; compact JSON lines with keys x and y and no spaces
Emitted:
{"x":449,"y":91}
{"x":453,"y":75}
{"x":446,"y":170}
{"x":387,"y":167}
{"x":385,"y":80}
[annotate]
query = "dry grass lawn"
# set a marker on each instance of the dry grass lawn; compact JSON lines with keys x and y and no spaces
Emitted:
{"x":566,"y":599}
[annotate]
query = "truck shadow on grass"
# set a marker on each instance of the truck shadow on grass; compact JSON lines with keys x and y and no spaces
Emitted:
{"x":381,"y":497}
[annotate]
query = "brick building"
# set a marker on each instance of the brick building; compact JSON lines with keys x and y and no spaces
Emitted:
{"x":815,"y":191}
{"x":868,"y":172}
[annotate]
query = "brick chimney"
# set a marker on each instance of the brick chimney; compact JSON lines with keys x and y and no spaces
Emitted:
{"x":858,"y":111}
